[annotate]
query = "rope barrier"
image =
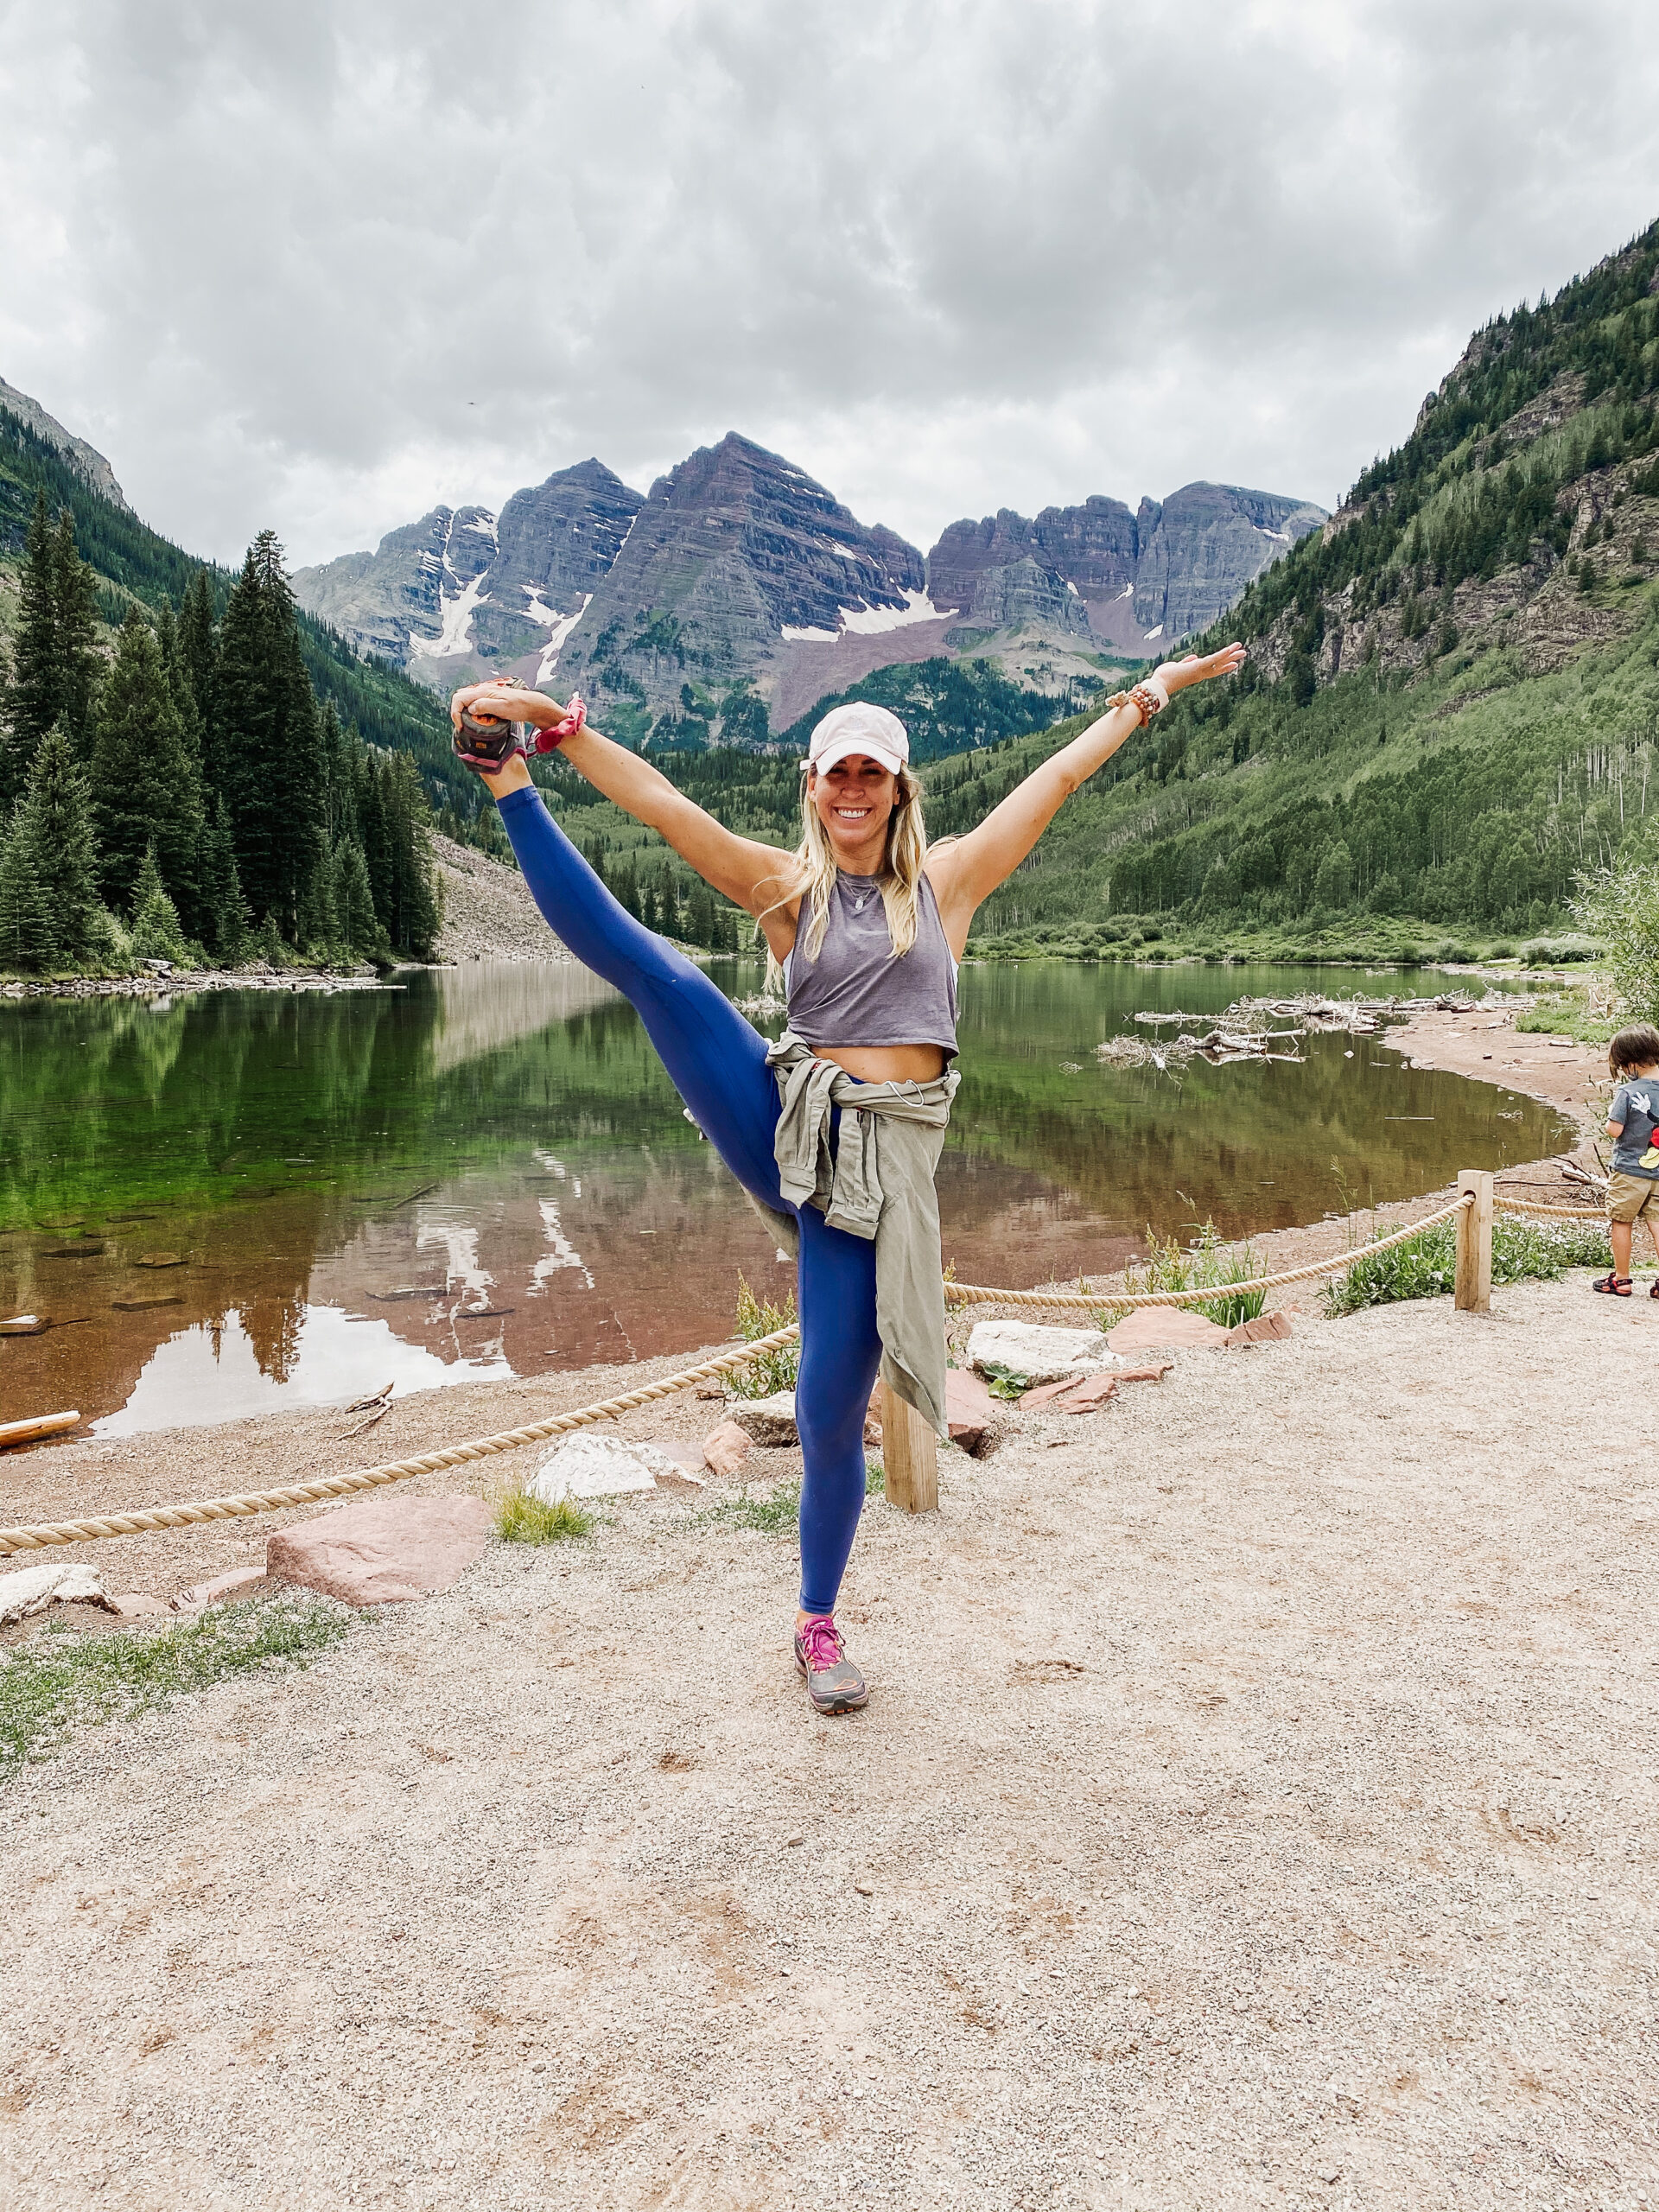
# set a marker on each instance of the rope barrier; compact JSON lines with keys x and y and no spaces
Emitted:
{"x":977,"y":1294}
{"x":40,"y":1535}
{"x":1557,"y":1213}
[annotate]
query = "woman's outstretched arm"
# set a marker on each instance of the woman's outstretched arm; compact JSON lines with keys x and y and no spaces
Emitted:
{"x":964,"y":873}
{"x":741,"y":870}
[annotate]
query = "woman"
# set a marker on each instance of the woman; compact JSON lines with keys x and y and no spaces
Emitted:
{"x":868,"y":924}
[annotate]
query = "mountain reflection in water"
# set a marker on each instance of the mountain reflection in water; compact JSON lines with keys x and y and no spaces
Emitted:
{"x":247,"y":1200}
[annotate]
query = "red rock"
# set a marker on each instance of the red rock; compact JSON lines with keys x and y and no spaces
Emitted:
{"x":383,"y":1553}
{"x":1150,"y":1325}
{"x":1089,"y":1396}
{"x":1154,"y":1371}
{"x":725,"y":1448}
{"x":1266,"y":1329}
{"x":972,"y":1413}
{"x":1046,"y":1393}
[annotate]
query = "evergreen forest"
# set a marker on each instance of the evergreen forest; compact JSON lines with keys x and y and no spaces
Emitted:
{"x":185,"y":797}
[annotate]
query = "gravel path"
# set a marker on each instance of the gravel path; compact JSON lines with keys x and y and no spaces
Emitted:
{"x":1255,"y":1806}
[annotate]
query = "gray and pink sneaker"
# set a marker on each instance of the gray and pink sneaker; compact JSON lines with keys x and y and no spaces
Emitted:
{"x":833,"y":1683}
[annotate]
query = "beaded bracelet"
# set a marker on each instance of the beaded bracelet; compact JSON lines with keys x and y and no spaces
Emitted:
{"x":1148,"y":699}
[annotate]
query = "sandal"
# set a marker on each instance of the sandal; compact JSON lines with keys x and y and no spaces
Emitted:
{"x":1654,"y":1291}
{"x":1614,"y":1286}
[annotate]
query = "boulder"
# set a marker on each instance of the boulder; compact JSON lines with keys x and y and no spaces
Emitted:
{"x":383,"y":1553}
{"x":1266,"y":1329}
{"x":725,"y":1448}
{"x":768,"y":1421}
{"x":65,"y":1582}
{"x":1033,"y":1354}
{"x":1164,"y":1325}
{"x":976,"y":1422}
{"x":585,"y":1465}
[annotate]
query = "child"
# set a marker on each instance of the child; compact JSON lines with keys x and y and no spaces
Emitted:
{"x":1633,"y":1125}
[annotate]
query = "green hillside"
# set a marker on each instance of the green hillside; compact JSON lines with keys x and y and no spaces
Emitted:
{"x":133,"y":562}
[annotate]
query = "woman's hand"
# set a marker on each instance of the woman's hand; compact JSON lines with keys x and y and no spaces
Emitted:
{"x":508,"y":702}
{"x":1198,"y":668}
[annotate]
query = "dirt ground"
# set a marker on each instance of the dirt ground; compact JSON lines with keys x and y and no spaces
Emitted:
{"x":1255,"y":1806}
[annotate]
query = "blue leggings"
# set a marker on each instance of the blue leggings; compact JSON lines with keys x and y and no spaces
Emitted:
{"x":718,"y":1063}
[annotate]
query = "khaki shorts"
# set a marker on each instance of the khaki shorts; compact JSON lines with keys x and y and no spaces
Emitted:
{"x":1629,"y":1197}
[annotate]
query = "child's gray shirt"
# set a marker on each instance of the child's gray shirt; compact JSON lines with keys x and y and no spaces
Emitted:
{"x":1637,"y":1104}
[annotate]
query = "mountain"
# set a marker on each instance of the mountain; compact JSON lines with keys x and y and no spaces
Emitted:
{"x":743,"y":580}
{"x":463,"y":594}
{"x":739,"y":591}
{"x":1475,"y":532}
{"x":87,"y":463}
{"x":1130,"y":583}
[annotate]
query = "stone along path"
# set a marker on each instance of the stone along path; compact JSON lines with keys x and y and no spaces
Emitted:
{"x":1256,"y":1807}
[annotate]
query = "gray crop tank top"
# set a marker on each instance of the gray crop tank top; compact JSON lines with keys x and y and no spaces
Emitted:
{"x":856,"y":993}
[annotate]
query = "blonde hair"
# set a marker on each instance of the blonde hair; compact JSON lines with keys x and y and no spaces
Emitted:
{"x":813,"y":878}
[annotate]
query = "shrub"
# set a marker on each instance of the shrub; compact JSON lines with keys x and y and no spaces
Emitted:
{"x":773,"y":1370}
{"x":1621,"y":905}
{"x":1425,"y":1266}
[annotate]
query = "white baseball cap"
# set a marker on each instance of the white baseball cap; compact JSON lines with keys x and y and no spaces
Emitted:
{"x":860,"y":728}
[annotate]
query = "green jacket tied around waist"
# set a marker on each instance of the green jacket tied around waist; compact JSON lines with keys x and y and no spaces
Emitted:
{"x":877,"y":1184}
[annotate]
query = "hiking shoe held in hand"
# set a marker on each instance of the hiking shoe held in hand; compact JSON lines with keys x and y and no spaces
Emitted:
{"x":833,"y":1683}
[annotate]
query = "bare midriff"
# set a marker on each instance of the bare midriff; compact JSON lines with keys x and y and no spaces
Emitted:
{"x":886,"y":1063}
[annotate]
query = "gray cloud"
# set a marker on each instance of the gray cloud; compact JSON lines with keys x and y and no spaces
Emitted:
{"x":323,"y":266}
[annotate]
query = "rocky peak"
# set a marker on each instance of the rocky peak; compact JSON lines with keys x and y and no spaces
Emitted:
{"x":86,"y":462}
{"x":1133,"y":582}
{"x":735,"y":555}
{"x":461,"y":593}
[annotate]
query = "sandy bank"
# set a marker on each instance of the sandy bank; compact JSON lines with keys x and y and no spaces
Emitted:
{"x":1255,"y":1806}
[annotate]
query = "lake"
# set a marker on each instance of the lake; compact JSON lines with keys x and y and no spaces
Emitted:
{"x":241,"y":1201}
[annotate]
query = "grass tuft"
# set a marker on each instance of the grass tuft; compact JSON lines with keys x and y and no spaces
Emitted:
{"x":65,"y":1680}
{"x":1425,"y":1266}
{"x":1202,"y":1265}
{"x":758,"y":1317}
{"x":521,"y":1518}
{"x":778,"y":1513}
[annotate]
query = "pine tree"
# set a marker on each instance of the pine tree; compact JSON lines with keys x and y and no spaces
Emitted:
{"x":80,"y":664}
{"x":34,"y":692}
{"x":55,"y":821}
{"x":28,"y":941}
{"x":197,"y":642}
{"x":176,"y":667}
{"x":156,"y":934}
{"x":417,"y":910}
{"x":143,"y":792}
{"x":360,"y":931}
{"x":268,"y":739}
{"x":339,"y":778}
{"x":220,"y":902}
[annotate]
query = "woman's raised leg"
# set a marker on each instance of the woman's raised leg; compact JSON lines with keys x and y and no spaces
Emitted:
{"x":716,"y":1060}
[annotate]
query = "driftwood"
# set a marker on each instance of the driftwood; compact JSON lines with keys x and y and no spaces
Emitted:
{"x":30,"y":1432}
{"x":1247,"y":1031}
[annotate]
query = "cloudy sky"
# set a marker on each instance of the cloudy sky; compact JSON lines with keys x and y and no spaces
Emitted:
{"x":322,"y":266}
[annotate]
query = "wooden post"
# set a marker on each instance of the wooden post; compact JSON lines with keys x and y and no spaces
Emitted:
{"x":1474,"y":1278}
{"x":910,"y":1457}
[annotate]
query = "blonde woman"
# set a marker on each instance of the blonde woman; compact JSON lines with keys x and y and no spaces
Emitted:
{"x":835,"y":1130}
